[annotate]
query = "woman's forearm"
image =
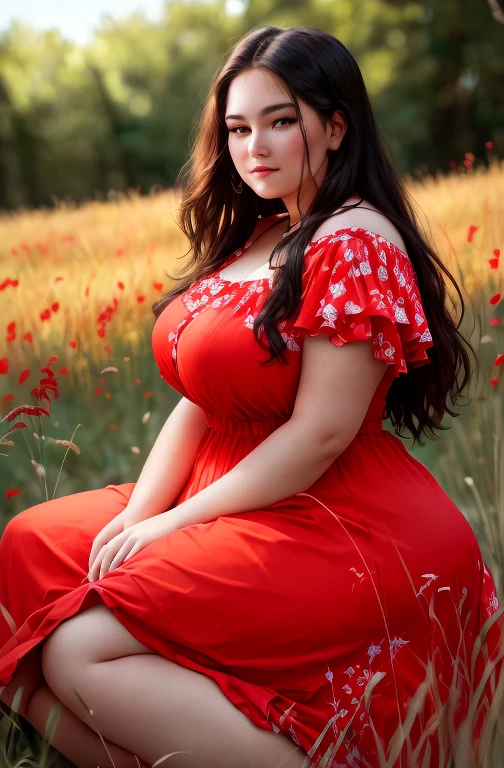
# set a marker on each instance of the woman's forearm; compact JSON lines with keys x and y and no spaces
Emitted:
{"x":169,"y":462}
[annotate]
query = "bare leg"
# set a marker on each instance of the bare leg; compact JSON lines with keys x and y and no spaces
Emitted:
{"x":153,"y":707}
{"x":27,"y":676}
{"x":72,"y":738}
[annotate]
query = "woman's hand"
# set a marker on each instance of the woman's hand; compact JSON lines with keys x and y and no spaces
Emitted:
{"x":118,"y":546}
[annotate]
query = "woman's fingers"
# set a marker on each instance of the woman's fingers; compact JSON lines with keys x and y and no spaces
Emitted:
{"x":117,"y":559}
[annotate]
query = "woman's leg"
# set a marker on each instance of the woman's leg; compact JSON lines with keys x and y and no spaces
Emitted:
{"x":72,"y":738}
{"x":153,"y":707}
{"x":27,"y":676}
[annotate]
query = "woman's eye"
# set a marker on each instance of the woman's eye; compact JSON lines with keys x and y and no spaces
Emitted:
{"x":288,"y":120}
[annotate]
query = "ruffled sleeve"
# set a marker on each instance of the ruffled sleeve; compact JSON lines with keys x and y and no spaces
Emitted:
{"x":358,"y":287}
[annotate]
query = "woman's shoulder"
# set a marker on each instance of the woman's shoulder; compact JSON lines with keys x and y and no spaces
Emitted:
{"x":365,"y":217}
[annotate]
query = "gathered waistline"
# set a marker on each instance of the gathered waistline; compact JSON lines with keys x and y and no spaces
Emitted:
{"x":231,"y":425}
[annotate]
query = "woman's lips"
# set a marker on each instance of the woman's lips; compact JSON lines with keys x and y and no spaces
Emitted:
{"x":264,"y":173}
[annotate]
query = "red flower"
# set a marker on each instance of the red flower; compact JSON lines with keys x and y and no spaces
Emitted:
{"x":73,"y":344}
{"x":495,"y":299}
{"x":470,"y":234}
{"x":12,"y":492}
{"x":31,"y":410}
{"x":494,"y":321}
{"x":120,"y":285}
{"x":499,"y":360}
{"x":28,"y":337}
{"x":489,"y":144}
{"x":23,"y":376}
{"x":4,"y":365}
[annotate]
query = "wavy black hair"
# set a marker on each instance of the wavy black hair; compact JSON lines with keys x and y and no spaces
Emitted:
{"x":317,"y":68}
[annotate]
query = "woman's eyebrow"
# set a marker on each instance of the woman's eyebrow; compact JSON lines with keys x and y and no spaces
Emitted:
{"x":265,"y":111}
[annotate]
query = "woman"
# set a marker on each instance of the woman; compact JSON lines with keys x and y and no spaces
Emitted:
{"x":285,"y":583}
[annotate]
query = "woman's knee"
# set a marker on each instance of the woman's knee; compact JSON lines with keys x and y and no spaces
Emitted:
{"x":90,"y":637}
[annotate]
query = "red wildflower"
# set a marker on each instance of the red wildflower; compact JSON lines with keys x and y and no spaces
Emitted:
{"x":23,"y":376}
{"x":4,"y":365}
{"x":470,"y":233}
{"x":31,"y":410}
{"x":12,"y":492}
{"x":495,"y":299}
{"x":489,"y":144}
{"x":499,"y":360}
{"x":73,"y":344}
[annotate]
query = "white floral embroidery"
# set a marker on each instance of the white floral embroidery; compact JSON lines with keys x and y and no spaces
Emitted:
{"x":395,"y":644}
{"x":373,"y":651}
{"x":337,"y":289}
{"x":400,"y":315}
{"x":351,"y":308}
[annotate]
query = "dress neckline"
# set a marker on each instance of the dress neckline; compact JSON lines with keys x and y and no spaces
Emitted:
{"x":312,"y":243}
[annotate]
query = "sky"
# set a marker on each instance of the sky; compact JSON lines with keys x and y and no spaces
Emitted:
{"x":76,"y":20}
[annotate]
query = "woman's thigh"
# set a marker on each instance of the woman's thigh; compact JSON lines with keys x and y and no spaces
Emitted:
{"x":44,"y":550}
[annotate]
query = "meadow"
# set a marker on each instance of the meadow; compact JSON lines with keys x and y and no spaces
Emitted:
{"x":77,"y":284}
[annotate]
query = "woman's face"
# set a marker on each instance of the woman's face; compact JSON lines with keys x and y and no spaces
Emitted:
{"x":275,"y":139}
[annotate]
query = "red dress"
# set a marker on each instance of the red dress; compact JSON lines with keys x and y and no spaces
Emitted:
{"x":315,"y":615}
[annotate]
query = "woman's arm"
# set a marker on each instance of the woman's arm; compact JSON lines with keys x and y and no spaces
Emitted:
{"x":169,"y":463}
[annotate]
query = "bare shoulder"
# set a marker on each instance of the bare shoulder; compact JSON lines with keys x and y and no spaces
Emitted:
{"x":365,"y":216}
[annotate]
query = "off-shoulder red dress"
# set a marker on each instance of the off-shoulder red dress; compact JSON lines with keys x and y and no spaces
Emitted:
{"x":315,"y":615}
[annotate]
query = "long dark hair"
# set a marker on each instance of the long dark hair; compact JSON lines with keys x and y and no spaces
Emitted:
{"x":217,"y":221}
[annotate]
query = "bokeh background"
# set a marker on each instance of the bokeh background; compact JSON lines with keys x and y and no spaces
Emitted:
{"x":98,"y":104}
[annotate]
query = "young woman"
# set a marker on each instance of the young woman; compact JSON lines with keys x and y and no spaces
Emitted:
{"x":285,"y":583}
